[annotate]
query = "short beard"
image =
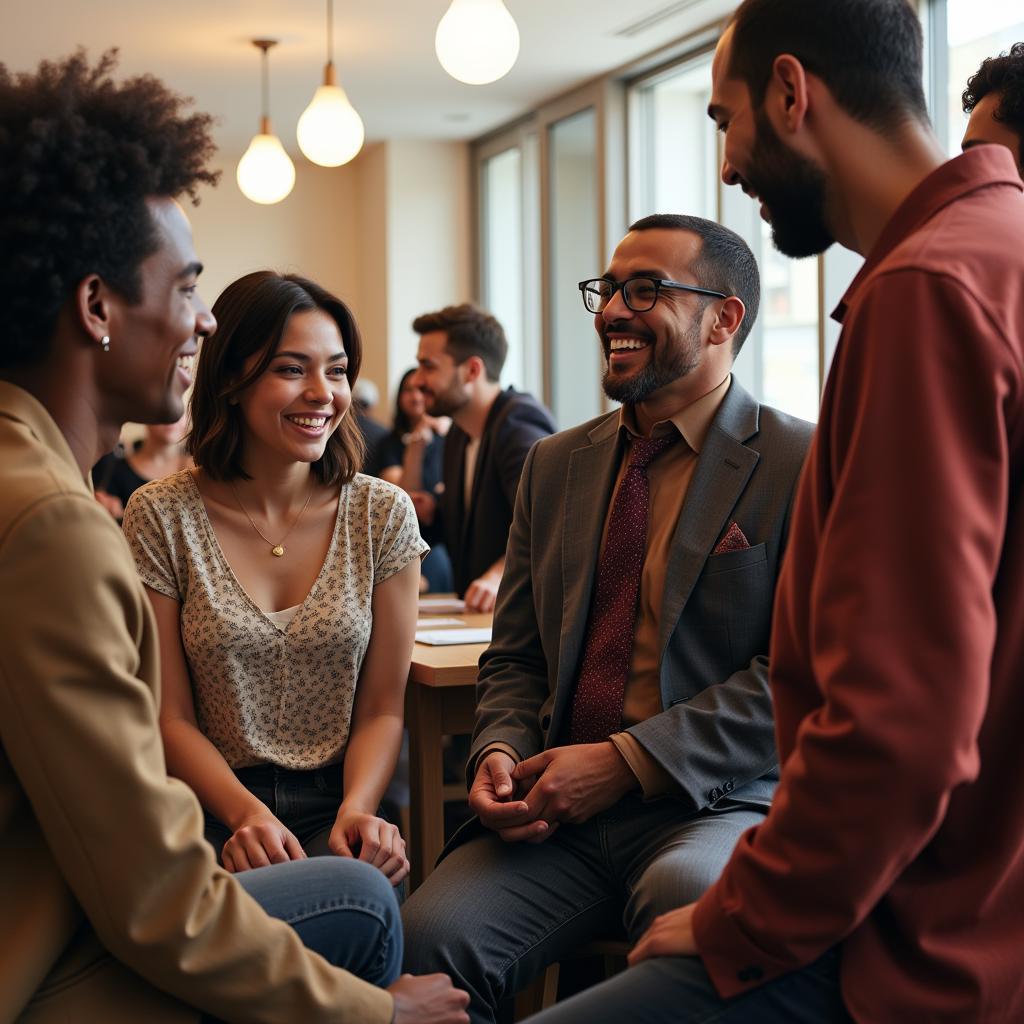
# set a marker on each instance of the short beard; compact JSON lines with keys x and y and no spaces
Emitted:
{"x":658,"y":372}
{"x":451,"y":401}
{"x":792,"y":189}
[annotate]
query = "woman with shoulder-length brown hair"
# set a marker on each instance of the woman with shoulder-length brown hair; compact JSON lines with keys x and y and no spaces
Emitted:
{"x":284,"y":584}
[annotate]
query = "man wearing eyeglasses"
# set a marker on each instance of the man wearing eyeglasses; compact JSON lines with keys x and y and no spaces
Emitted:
{"x":624,"y":733}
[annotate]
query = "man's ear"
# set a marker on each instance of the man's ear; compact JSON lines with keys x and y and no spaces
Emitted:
{"x":92,"y":306}
{"x":475,"y":369}
{"x":727,"y":321}
{"x":787,"y":93}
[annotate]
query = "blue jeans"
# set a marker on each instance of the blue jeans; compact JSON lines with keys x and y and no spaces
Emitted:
{"x":678,"y":990}
{"x":343,"y":909}
{"x":305,"y":802}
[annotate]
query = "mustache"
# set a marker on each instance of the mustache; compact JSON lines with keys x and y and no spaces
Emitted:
{"x":625,"y":327}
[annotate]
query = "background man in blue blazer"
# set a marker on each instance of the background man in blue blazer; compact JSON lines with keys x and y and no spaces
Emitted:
{"x":624,"y":733}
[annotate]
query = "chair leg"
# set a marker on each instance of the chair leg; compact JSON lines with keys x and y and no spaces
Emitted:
{"x":614,"y":963}
{"x":542,"y":992}
{"x":530,"y":1000}
{"x":550,"y":991}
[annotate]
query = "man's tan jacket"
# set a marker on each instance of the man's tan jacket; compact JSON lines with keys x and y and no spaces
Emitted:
{"x":112,"y":908}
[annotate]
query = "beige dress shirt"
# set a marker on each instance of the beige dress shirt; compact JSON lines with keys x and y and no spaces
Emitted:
{"x":669,"y":478}
{"x":112,"y":907}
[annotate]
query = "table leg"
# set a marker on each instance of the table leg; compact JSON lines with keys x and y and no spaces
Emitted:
{"x":426,"y":801}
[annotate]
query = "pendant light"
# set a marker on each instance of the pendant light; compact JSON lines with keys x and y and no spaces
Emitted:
{"x":477,"y":41}
{"x":265,"y":173}
{"x":330,"y":132}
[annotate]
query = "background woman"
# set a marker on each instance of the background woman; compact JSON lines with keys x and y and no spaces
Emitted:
{"x":284,"y":586}
{"x":118,"y":475}
{"x":412,"y":456}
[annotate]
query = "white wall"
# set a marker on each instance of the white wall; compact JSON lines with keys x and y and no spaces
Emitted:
{"x":310,"y":232}
{"x":369,"y":253}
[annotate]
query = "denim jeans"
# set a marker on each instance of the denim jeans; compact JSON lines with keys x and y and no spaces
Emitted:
{"x":343,"y":909}
{"x":305,"y":802}
{"x":678,"y":990}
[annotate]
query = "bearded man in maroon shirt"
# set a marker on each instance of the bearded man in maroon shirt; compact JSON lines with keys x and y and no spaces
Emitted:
{"x":887,"y":882}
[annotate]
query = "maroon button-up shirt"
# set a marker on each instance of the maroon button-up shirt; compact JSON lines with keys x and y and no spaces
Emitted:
{"x":897,"y":655}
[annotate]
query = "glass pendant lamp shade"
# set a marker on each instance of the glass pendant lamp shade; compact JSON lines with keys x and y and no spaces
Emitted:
{"x":330,"y":132}
{"x":477,"y":41}
{"x":265,"y":173}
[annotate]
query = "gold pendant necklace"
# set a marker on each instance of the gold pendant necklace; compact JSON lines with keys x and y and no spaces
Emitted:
{"x":277,"y":550}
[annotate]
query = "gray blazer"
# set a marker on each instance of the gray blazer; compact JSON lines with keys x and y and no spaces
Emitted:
{"x":715,"y":736}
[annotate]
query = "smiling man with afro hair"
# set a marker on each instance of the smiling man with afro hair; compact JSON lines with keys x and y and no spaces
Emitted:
{"x":79,"y":155}
{"x":112,"y":905}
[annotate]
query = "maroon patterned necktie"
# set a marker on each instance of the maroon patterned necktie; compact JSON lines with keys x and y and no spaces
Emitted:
{"x":597,"y":704}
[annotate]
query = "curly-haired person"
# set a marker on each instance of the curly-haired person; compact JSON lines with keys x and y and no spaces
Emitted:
{"x":112,"y":906}
{"x":994,"y":98}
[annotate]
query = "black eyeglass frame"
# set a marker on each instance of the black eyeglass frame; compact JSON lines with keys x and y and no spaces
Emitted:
{"x":658,"y":282}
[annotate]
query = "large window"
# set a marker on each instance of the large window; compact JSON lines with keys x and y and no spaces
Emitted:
{"x":790,"y":371}
{"x":675,"y":160}
{"x":503,"y":285}
{"x":575,"y":355}
{"x":974,"y":30}
{"x":510,"y":285}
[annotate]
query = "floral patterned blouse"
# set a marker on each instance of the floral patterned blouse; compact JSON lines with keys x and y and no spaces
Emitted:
{"x":267,"y":694}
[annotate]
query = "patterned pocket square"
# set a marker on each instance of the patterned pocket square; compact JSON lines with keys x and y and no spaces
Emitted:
{"x":734,"y":540}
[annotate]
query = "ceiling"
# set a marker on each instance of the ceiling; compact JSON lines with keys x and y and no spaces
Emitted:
{"x":383,"y":52}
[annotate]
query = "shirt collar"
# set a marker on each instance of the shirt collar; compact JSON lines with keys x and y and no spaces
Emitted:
{"x":980,"y":167}
{"x":693,"y":421}
{"x":18,"y":405}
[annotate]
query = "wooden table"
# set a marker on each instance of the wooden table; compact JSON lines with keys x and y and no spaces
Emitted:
{"x":439,"y":701}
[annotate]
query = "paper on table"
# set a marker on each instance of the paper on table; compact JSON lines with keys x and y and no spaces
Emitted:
{"x":441,"y":605}
{"x":444,"y":637}
{"x":429,"y":622}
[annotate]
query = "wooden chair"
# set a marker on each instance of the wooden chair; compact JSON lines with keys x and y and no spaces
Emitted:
{"x":542,"y":992}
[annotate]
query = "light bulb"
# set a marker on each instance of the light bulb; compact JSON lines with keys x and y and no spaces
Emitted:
{"x":265,"y":173}
{"x":330,"y":132}
{"x":477,"y":41}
